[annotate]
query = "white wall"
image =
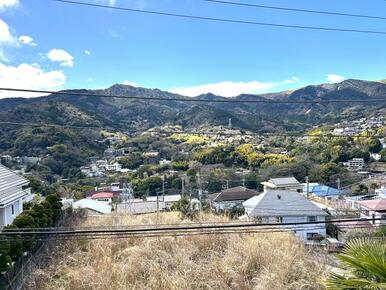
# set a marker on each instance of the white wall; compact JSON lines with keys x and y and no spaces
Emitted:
{"x":300,"y":231}
{"x":7,"y":216}
{"x":375,"y":215}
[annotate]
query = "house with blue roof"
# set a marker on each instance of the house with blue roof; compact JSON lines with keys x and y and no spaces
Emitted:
{"x":322,"y":191}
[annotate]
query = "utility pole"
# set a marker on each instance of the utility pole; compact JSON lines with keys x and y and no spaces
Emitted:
{"x":163,"y":188}
{"x":227,"y":183}
{"x":243,"y":179}
{"x":199,"y":188}
{"x":183,"y":185}
{"x":308,"y":187}
{"x":157,"y":202}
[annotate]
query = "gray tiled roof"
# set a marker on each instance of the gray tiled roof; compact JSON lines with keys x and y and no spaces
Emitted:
{"x":234,"y":193}
{"x":284,"y":180}
{"x":10,"y":185}
{"x":285,"y":203}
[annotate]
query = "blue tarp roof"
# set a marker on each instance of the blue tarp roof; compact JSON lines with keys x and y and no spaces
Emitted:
{"x":323,"y":190}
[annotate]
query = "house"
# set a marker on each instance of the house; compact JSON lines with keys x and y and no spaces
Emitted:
{"x":323,"y":191}
{"x":113,"y":167}
{"x":378,"y":167}
{"x":164,"y":162}
{"x":345,"y":231}
{"x":288,"y":206}
{"x":283,"y":183}
{"x":92,"y":206}
{"x":355,"y":164}
{"x":231,"y":197}
{"x":381,"y":192}
{"x":375,"y":156}
{"x":13,"y":192}
{"x":373,"y":209}
{"x":167,"y":200}
{"x":103,"y":196}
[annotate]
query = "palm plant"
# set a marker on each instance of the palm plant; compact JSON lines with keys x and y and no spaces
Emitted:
{"x":365,"y":261}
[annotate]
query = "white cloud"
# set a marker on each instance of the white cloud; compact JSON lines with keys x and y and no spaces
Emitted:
{"x":226,"y":89}
{"x":129,"y":83}
{"x":8,"y":3}
{"x":61,"y":56}
{"x":27,"y":40}
{"x":28,"y":76}
{"x":87,"y":52}
{"x":291,"y":80}
{"x":333,"y":78}
{"x":90,"y":79}
{"x":2,"y":56}
{"x":5,"y":35}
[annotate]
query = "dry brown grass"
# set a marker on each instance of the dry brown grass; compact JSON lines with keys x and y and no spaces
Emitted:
{"x":233,"y":261}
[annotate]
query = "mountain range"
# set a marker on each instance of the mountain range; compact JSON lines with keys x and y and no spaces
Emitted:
{"x":82,"y":110}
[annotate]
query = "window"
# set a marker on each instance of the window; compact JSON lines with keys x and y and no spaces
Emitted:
{"x":311,"y":236}
{"x":311,"y":219}
{"x":279,"y":219}
{"x":13,"y":209}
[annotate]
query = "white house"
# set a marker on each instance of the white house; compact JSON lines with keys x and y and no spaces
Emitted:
{"x":283,"y":183}
{"x":106,"y":197}
{"x":373,"y":209}
{"x":92,"y":206}
{"x":288,"y":206}
{"x":13,"y":192}
{"x":113,"y":167}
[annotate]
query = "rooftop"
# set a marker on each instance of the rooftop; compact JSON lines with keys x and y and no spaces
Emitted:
{"x":284,"y":181}
{"x":10,"y":185}
{"x":374,"y":204}
{"x":94,"y":205}
{"x":234,"y":193}
{"x":102,"y":195}
{"x":283,"y":203}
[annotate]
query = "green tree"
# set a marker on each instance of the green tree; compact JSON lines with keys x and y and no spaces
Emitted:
{"x":328,"y":170}
{"x":5,"y":259}
{"x":185,"y":209}
{"x":56,"y":206}
{"x":365,"y":259}
{"x":383,"y":155}
{"x":360,"y":189}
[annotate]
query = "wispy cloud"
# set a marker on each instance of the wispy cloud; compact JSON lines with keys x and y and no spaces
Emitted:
{"x":130,"y":83}
{"x":8,"y":3}
{"x":291,"y":80}
{"x":227,"y":88}
{"x":27,"y":40}
{"x":87,"y":52}
{"x":61,"y":56}
{"x":334,"y":78}
{"x":6,"y":36}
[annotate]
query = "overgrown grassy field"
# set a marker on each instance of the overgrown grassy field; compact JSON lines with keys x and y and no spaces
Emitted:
{"x":233,"y":261}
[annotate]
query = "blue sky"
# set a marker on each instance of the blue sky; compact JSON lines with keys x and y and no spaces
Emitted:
{"x":51,"y":45}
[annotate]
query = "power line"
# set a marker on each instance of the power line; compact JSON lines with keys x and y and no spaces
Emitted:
{"x":296,"y":9}
{"x":168,"y":132}
{"x":180,"y":234}
{"x":156,"y":229}
{"x":224,"y":20}
{"x":194,"y":99}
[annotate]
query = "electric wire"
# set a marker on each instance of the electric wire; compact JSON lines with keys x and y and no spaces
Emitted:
{"x":223,"y":20}
{"x":296,"y":9}
{"x":171,"y":132}
{"x":193,"y":99}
